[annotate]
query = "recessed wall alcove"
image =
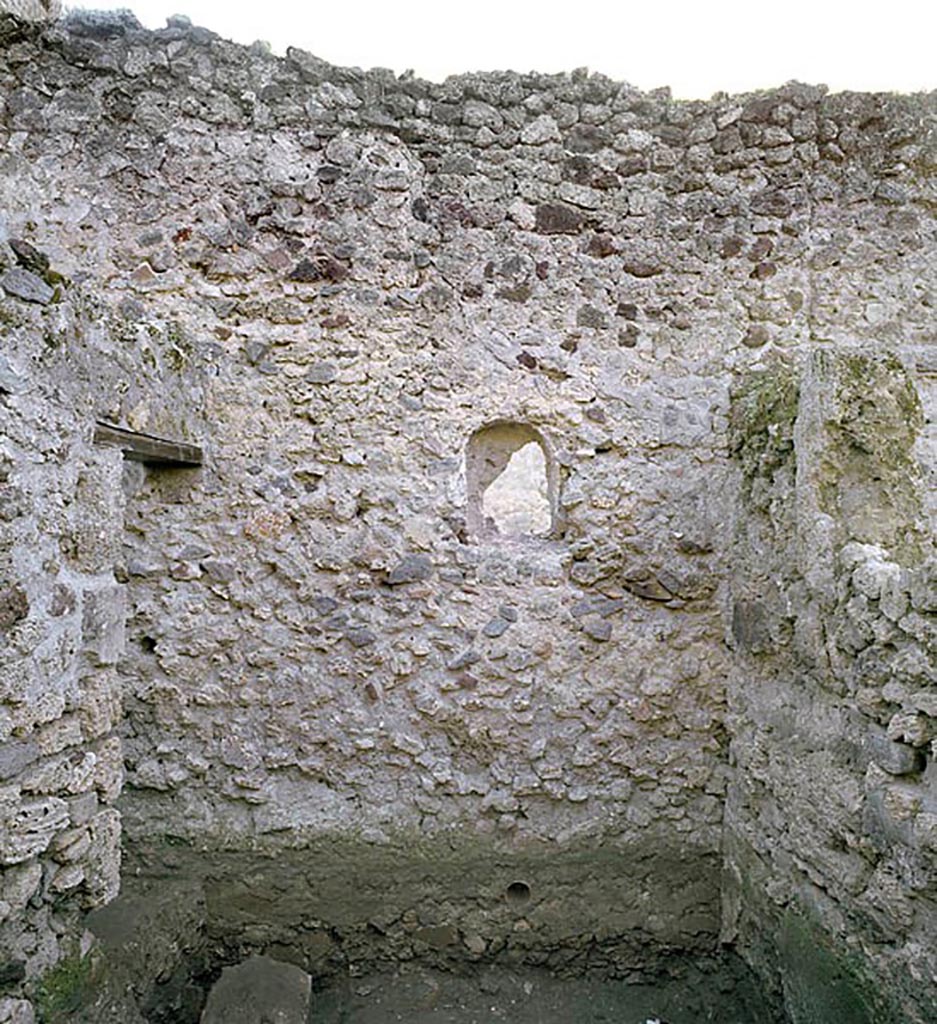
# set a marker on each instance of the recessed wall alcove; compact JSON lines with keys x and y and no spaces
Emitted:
{"x":511,"y":482}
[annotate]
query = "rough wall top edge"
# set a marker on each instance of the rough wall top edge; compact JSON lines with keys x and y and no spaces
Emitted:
{"x":21,"y":16}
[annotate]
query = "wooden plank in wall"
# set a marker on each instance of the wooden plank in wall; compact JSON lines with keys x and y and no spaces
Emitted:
{"x":146,"y":447}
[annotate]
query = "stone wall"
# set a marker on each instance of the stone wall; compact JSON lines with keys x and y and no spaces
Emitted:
{"x":61,"y":629}
{"x":31,"y":11}
{"x":63,"y":612}
{"x":340,"y":686}
{"x":68,"y":357}
{"x":830,"y":824}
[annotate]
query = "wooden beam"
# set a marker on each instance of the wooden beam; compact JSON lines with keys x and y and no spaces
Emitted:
{"x":147,"y":448}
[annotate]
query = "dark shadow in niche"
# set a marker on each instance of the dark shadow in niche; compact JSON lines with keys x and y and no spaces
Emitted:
{"x":517,"y":893}
{"x":511,"y":483}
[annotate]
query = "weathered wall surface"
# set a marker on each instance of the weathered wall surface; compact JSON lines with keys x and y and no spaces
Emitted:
{"x":67,"y":358}
{"x":830,"y":826}
{"x":61,"y":628}
{"x":321,"y":646}
{"x":317,"y":645}
{"x":22,"y":13}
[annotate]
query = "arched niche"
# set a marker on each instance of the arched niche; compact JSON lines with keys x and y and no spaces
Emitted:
{"x":510,"y":481}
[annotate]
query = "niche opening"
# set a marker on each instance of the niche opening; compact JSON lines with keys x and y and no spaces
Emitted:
{"x":510,"y":479}
{"x":517,"y":893}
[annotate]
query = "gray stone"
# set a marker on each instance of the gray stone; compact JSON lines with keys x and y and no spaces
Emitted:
{"x":651,"y":589}
{"x":599,"y":629}
{"x":25,"y":285}
{"x":29,"y":257}
{"x":256,"y":351}
{"x":540,"y":130}
{"x":27,"y":829}
{"x":219,"y":571}
{"x":16,"y":1011}
{"x":322,"y":373}
{"x":771,"y":203}
{"x":589,"y":316}
{"x":894,"y":757}
{"x":101,"y":24}
{"x":411,"y":569}
{"x":751,"y":626}
{"x":464,"y":660}
{"x":259,"y":990}
{"x":597,"y":604}
{"x":391,"y":180}
{"x":438,"y":936}
{"x":102,"y":623}
{"x":82,"y":808}
{"x":924,"y":588}
{"x":12,"y":381}
{"x":360,"y":637}
{"x":15,"y":755}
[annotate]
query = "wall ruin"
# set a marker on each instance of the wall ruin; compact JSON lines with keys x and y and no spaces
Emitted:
{"x":700,"y":705}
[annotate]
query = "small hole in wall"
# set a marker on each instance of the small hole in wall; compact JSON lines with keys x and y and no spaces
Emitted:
{"x":148,"y":644}
{"x":510,"y":481}
{"x":517,"y":893}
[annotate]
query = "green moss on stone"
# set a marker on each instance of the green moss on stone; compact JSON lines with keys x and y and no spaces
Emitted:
{"x":64,"y":989}
{"x":823,"y":985}
{"x":870,"y":478}
{"x":761,"y":420}
{"x":880,"y":412}
{"x":9,"y":317}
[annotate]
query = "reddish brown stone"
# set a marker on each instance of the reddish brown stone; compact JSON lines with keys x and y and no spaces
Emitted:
{"x":771,"y":204}
{"x":763,"y":271}
{"x":641,"y":268}
{"x":559,"y":219}
{"x":14,"y":605}
{"x":601,"y":245}
{"x":731,"y":246}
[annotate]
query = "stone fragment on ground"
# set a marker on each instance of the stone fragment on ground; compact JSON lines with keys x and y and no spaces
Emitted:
{"x":259,"y":990}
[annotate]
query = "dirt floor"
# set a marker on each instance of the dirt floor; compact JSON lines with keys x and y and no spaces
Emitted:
{"x":525,"y":996}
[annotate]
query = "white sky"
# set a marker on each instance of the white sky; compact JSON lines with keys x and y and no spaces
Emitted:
{"x":696,"y":48}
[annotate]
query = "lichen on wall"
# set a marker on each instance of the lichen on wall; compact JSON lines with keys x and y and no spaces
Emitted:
{"x":830,"y":850}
